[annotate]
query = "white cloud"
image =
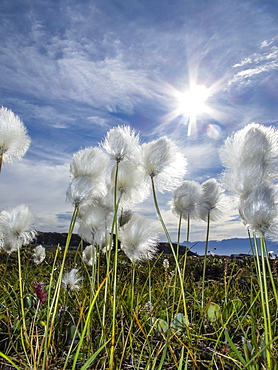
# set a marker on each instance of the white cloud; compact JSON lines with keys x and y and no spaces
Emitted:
{"x":265,"y":60}
{"x":42,"y":187}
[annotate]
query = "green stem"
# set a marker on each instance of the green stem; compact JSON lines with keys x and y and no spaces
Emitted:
{"x":174,"y":254}
{"x":115,"y":267}
{"x":55,"y":300}
{"x":187,"y":242}
{"x":24,"y":328}
{"x":263,"y":303}
{"x":205,"y":261}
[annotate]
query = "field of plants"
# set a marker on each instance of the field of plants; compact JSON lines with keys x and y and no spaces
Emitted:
{"x":151,"y":330}
{"x":115,"y":304}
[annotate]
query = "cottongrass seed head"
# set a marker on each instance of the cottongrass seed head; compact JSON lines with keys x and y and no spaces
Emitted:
{"x":14,"y":140}
{"x":122,"y":143}
{"x":210,"y":200}
{"x":15,"y":228}
{"x":39,"y":254}
{"x":89,"y":255}
{"x":138,"y":239}
{"x":91,"y":161}
{"x":163,"y":162}
{"x":186,"y":199}
{"x":250,"y":158}
{"x":71,"y":280}
{"x":259,"y":211}
{"x":132,"y":187}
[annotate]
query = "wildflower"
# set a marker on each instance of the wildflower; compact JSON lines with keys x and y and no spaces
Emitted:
{"x":40,"y":293}
{"x":148,"y":306}
{"x":122,"y":143}
{"x":39,"y":254}
{"x":186,"y":199}
{"x":209,"y":200}
{"x":259,"y":210}
{"x":137,"y":238}
{"x":89,"y":255}
{"x":162,"y":160}
{"x":166,"y":263}
{"x":15,"y":228}
{"x":71,"y":280}
{"x":14,"y":141}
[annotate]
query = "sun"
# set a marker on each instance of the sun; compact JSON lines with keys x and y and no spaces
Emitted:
{"x":192,"y":102}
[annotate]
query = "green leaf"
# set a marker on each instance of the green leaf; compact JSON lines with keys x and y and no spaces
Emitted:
{"x":231,"y":307}
{"x":161,"y":325}
{"x":94,"y":355}
{"x":178,"y":324}
{"x":213,"y":312}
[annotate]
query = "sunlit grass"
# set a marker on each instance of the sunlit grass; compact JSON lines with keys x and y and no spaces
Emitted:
{"x":147,"y":336}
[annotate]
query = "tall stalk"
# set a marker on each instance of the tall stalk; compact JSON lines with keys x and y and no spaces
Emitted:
{"x":52,"y":311}
{"x":25,"y":339}
{"x":205,"y":261}
{"x":174,"y":254}
{"x":261,"y":276}
{"x":115,"y":267}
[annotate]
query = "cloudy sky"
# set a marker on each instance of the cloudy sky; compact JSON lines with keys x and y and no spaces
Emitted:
{"x":71,"y":70}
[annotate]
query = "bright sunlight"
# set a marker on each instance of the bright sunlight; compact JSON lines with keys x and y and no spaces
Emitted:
{"x":192,"y":102}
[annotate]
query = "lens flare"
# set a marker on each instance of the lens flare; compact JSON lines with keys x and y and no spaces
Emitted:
{"x":214,"y":131}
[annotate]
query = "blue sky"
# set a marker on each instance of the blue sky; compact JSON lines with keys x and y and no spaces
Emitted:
{"x":74,"y":69}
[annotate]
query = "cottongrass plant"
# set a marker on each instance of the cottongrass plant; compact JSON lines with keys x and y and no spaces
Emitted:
{"x":39,"y":254}
{"x":185,"y":204}
{"x":138,"y":239}
{"x":165,"y":166}
{"x":122,"y":145}
{"x":89,"y":255}
{"x":71,"y":280}
{"x":16,"y":231}
{"x":109,"y":324}
{"x":14,"y":140}
{"x":250,"y":156}
{"x":209,"y":209}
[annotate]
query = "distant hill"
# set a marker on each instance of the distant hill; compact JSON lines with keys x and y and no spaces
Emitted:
{"x":224,"y":247}
{"x":228,"y":246}
{"x":52,"y":239}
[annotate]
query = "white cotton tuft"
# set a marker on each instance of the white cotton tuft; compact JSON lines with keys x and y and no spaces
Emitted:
{"x":85,"y":189}
{"x":210,"y":200}
{"x":94,"y":224}
{"x":259,"y":210}
{"x":15,"y":228}
{"x":39,"y":254}
{"x":14,"y":140}
{"x":138,"y":239}
{"x":186,"y":199}
{"x":71,"y":280}
{"x":89,"y":162}
{"x":89,"y":255}
{"x":132,"y":187}
{"x":250,"y":158}
{"x":162,"y":161}
{"x":122,"y":143}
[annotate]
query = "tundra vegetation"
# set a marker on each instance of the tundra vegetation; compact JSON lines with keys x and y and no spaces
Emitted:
{"x":118,"y":304}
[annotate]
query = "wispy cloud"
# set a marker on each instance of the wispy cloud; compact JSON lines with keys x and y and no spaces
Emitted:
{"x":263,"y":61}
